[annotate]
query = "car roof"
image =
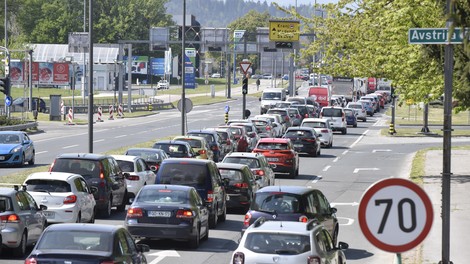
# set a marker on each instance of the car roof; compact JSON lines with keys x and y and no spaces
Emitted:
{"x":186,"y":161}
{"x":300,"y":128}
{"x":314,"y":119}
{"x":12,"y":132}
{"x":176,"y":142}
{"x":205,"y":131}
{"x":8,"y":191}
{"x":168,"y":186}
{"x":146,"y":149}
{"x":189,"y":137}
{"x":64,"y":176}
{"x":286,"y":189}
{"x":274,"y":140}
{"x":244,"y":154}
{"x":84,"y":227}
{"x":234,"y":166}
{"x":291,"y":227}
{"x":89,"y":156}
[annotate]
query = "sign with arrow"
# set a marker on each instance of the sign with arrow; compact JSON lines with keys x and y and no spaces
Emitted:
{"x":163,"y":254}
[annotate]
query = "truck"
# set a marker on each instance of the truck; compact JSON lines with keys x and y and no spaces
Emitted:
{"x":270,"y":97}
{"x":320,"y":94}
{"x":343,"y":86}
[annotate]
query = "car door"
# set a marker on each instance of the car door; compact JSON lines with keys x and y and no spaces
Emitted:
{"x":35,"y":218}
{"x":325,"y":214}
{"x":217,"y":186}
{"x":203,"y":211}
{"x":88,"y":201}
{"x":125,"y":250}
{"x":117,"y":179}
{"x":28,"y":147}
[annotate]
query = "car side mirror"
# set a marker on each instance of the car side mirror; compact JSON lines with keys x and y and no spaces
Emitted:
{"x":42,"y":207}
{"x":342,"y":245}
{"x":93,"y":189}
{"x":143,"y":248}
{"x":333,"y":210}
{"x":131,"y":200}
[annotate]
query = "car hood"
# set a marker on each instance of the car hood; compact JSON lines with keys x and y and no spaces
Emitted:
{"x":7,"y":148}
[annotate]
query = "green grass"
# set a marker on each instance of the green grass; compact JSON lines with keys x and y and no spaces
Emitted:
{"x":43,"y":92}
{"x":416,"y":132}
{"x":413,"y":114}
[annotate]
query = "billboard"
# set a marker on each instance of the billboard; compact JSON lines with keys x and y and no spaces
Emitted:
{"x":139,"y":64}
{"x":45,"y":73}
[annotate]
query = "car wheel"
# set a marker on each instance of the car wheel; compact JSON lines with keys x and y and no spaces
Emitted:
{"x":31,"y":161}
{"x":364,"y":120}
{"x":213,"y":219}
{"x":293,"y":173}
{"x":92,"y":219}
{"x":79,"y":218}
{"x":106,"y":213}
{"x":122,"y":206}
{"x":355,"y":125}
{"x":206,"y":236}
{"x":223,"y":217}
{"x":335,"y":237}
{"x":319,"y":152}
{"x":194,"y":242}
{"x":331,"y":144}
{"x":21,"y":249}
{"x":21,"y":162}
{"x":344,"y":131}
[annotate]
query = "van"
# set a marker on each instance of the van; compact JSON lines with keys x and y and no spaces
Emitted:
{"x":336,"y":117}
{"x":270,"y":97}
{"x":322,"y":95}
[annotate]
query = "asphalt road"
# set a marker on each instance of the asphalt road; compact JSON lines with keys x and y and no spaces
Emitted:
{"x":343,"y":173}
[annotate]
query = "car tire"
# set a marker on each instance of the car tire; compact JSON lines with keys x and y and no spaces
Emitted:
{"x":213,"y":219}
{"x":20,"y":251}
{"x":364,"y":120}
{"x":335,"y":236}
{"x":206,"y":236}
{"x":319,"y":152}
{"x":32,"y":160}
{"x":122,"y":206}
{"x":355,"y":125}
{"x":92,"y":219}
{"x":294,"y":173}
{"x":330,"y":145}
{"x":195,"y":241}
{"x":106,"y":213}
{"x":344,"y":131}
{"x":223,"y":217}
{"x":79,"y":218}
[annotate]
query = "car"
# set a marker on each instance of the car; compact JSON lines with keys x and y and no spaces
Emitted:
{"x":199,"y":145}
{"x":293,"y":242}
{"x":216,"y":75}
{"x":251,"y":133}
{"x":293,"y":203}
{"x":373,"y":100}
{"x":22,"y":220}
{"x":368,"y":106}
{"x":87,"y":243}
{"x":257,"y":164}
{"x":101,"y":171}
{"x":284,"y":115}
{"x":67,"y":196}
{"x":303,"y":110}
{"x":16,"y":148}
{"x":278,"y":119}
{"x":336,"y":117}
{"x":163,"y":84}
{"x":242,"y":184}
{"x":351,"y":117}
{"x":295,"y":116}
{"x":163,"y":211}
{"x":23,"y":103}
{"x":323,"y":129}
{"x":202,"y":175}
{"x":139,"y":172}
{"x":304,"y":140}
{"x":359,"y":108}
{"x":153,"y":157}
{"x":264,"y":127}
{"x":280,"y":153}
{"x":228,"y":141}
{"x":212,"y":138}
{"x":176,"y":149}
{"x":240,"y":137}
{"x":275,"y":126}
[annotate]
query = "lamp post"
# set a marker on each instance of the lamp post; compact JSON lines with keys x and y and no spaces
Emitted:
{"x":183,"y":72}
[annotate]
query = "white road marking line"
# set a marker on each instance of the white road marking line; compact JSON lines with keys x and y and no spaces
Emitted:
{"x":350,"y":221}
{"x":336,"y":159}
{"x":120,"y":136}
{"x":41,"y":152}
{"x":381,"y":150}
{"x":359,"y":139}
{"x":319,"y":177}
{"x":71,"y":146}
{"x":344,"y":152}
{"x":326,"y":168}
{"x":99,"y":140}
{"x":368,"y":169}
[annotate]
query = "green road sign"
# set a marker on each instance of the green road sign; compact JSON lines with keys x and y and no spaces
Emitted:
{"x":436,"y":36}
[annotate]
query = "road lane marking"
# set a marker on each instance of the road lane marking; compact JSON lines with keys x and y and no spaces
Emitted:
{"x":358,"y":139}
{"x":326,"y":168}
{"x":120,"y":136}
{"x":336,"y":159}
{"x":71,"y":146}
{"x":381,"y":150}
{"x":163,"y":254}
{"x":368,"y":169}
{"x":41,"y":152}
{"x":344,"y":152}
{"x":317,"y":178}
{"x":350,"y":221}
{"x":98,"y":140}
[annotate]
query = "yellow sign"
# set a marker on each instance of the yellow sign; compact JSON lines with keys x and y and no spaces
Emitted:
{"x":284,"y":30}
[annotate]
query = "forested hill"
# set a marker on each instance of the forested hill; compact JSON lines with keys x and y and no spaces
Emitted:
{"x":219,"y":13}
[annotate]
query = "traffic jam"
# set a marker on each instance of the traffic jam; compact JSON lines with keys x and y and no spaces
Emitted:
{"x":180,"y":189}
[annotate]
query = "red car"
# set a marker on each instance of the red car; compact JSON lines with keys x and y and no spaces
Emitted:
{"x":281,"y":154}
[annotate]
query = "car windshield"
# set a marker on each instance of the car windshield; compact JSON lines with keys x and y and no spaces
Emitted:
{"x":333,"y":112}
{"x":43,"y":185}
{"x":163,"y":196}
{"x":86,"y":168}
{"x":250,"y":162}
{"x":126,"y":166}
{"x":273,"y":146}
{"x":9,"y":139}
{"x":184,"y":174}
{"x":76,"y":240}
{"x":277,"y":243}
{"x":276,"y":202}
{"x":271,"y":96}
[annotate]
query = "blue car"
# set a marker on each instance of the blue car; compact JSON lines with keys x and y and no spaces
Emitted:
{"x":16,"y":148}
{"x":351,"y":117}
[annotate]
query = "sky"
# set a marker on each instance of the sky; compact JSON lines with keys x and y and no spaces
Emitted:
{"x":292,"y":2}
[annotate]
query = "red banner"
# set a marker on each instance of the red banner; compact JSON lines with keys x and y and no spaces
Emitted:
{"x":61,"y":72}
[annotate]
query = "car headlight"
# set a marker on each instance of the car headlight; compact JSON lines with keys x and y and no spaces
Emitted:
{"x":16,"y":149}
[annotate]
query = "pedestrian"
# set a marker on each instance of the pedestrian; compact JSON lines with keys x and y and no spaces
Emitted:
{"x":257,"y":84}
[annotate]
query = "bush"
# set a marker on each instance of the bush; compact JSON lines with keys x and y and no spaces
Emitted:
{"x":4,"y":121}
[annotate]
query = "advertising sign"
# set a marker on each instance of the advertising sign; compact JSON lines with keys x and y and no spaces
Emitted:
{"x":16,"y":72}
{"x":139,"y":64}
{"x":157,"y":66}
{"x":61,"y":73}
{"x":189,"y":77}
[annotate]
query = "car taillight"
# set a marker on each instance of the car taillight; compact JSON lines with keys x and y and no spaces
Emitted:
{"x":309,"y":139}
{"x":268,"y":128}
{"x":297,"y":116}
{"x":242,"y":185}
{"x":313,"y":260}
{"x":134,"y":212}
{"x":306,"y":115}
{"x":70,"y":199}
{"x":238,"y":258}
{"x":30,"y":261}
{"x":11,"y":218}
{"x":229,"y":142}
{"x":215,"y":148}
{"x":101,"y":171}
{"x":342,"y":118}
{"x":202,"y":151}
{"x":303,"y":219}
{"x":210,"y":196}
{"x":324,"y":131}
{"x":246,"y":221}
{"x":102,"y":184}
{"x":184,"y":214}
{"x":259,"y":172}
{"x":133,"y":178}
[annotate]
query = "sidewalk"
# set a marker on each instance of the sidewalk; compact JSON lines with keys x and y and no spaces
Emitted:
{"x":430,"y":251}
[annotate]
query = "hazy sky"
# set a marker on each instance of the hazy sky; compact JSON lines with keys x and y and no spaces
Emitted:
{"x":292,"y":2}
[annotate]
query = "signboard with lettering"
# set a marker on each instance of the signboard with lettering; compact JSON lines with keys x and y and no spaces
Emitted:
{"x":284,"y":30}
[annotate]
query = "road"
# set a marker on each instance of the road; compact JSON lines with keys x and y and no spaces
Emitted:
{"x":343,"y":173}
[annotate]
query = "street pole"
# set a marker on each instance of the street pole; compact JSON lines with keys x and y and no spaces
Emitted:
{"x":6,"y":25}
{"x":30,"y":79}
{"x":183,"y":72}
{"x":90,"y":77}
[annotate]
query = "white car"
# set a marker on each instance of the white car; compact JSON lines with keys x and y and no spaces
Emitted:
{"x":322,"y":127}
{"x":276,"y":126}
{"x":163,"y":84}
{"x":67,"y":196}
{"x":216,"y":75}
{"x":359,"y":109}
{"x":288,"y":242}
{"x":140,"y":173}
{"x":336,"y":117}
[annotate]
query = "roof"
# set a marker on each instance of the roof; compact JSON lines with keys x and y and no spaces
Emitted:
{"x":189,"y":137}
{"x":314,"y":119}
{"x":286,"y":189}
{"x":274,"y":140}
{"x":234,"y":166}
{"x":168,"y":186}
{"x":172,"y":142}
{"x":7,"y":190}
{"x":84,"y":227}
{"x":12,"y":132}
{"x":203,"y":131}
{"x":89,"y":156}
{"x":300,"y":128}
{"x":102,"y":53}
{"x":186,"y":161}
{"x":147,"y":149}
{"x":52,"y":175}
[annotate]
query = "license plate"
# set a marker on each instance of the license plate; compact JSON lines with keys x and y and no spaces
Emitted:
{"x":159,"y":214}
{"x":49,"y":214}
{"x":272,"y":159}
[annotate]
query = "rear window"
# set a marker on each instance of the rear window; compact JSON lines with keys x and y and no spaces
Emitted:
{"x":232,"y":175}
{"x":273,"y":146}
{"x":283,"y":113}
{"x":355,"y":106}
{"x":126,"y":166}
{"x":194,"y":143}
{"x":276,"y":243}
{"x":173,"y":150}
{"x":298,"y":133}
{"x":210,"y":138}
{"x":146,"y":155}
{"x":277,"y":202}
{"x":5,"y":204}
{"x":184,"y":174}
{"x":164,"y":196}
{"x":332,"y":112}
{"x":86,"y":168}
{"x":39,"y":185}
{"x":314,"y":124}
{"x":76,"y":240}
{"x":223,"y":135}
{"x":250,"y":162}
{"x":271,"y":96}
{"x":349,"y":113}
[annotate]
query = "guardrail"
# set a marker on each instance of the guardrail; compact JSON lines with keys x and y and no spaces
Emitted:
{"x":21,"y":127}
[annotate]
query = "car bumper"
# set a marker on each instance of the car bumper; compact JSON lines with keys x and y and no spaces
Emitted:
{"x":238,"y":200}
{"x":305,"y":148}
{"x":11,"y":159}
{"x":66,"y":214}
{"x":283,"y":168}
{"x":154,"y":231}
{"x":10,"y":236}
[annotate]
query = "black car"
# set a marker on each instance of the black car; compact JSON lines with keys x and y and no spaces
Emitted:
{"x":101,"y":171}
{"x":24,"y":104}
{"x":204,"y":176}
{"x":87,"y":244}
{"x":153,"y":157}
{"x":293,"y":203}
{"x":305,"y":140}
{"x":176,"y":148}
{"x":212,"y":138}
{"x":242,"y":184}
{"x":163,"y":211}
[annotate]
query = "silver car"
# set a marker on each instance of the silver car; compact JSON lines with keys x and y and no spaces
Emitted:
{"x":289,"y":242}
{"x":22,"y":220}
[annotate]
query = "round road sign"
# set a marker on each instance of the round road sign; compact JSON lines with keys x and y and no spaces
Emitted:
{"x":395,"y":215}
{"x":188,"y":105}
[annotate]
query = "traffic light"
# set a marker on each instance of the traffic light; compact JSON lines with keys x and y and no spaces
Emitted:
{"x":245,"y":86}
{"x":283,"y":45}
{"x":5,"y":85}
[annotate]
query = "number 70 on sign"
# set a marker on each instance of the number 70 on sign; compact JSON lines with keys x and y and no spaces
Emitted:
{"x":395,"y":215}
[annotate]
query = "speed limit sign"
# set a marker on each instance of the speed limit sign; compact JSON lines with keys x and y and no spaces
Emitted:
{"x":395,"y":215}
